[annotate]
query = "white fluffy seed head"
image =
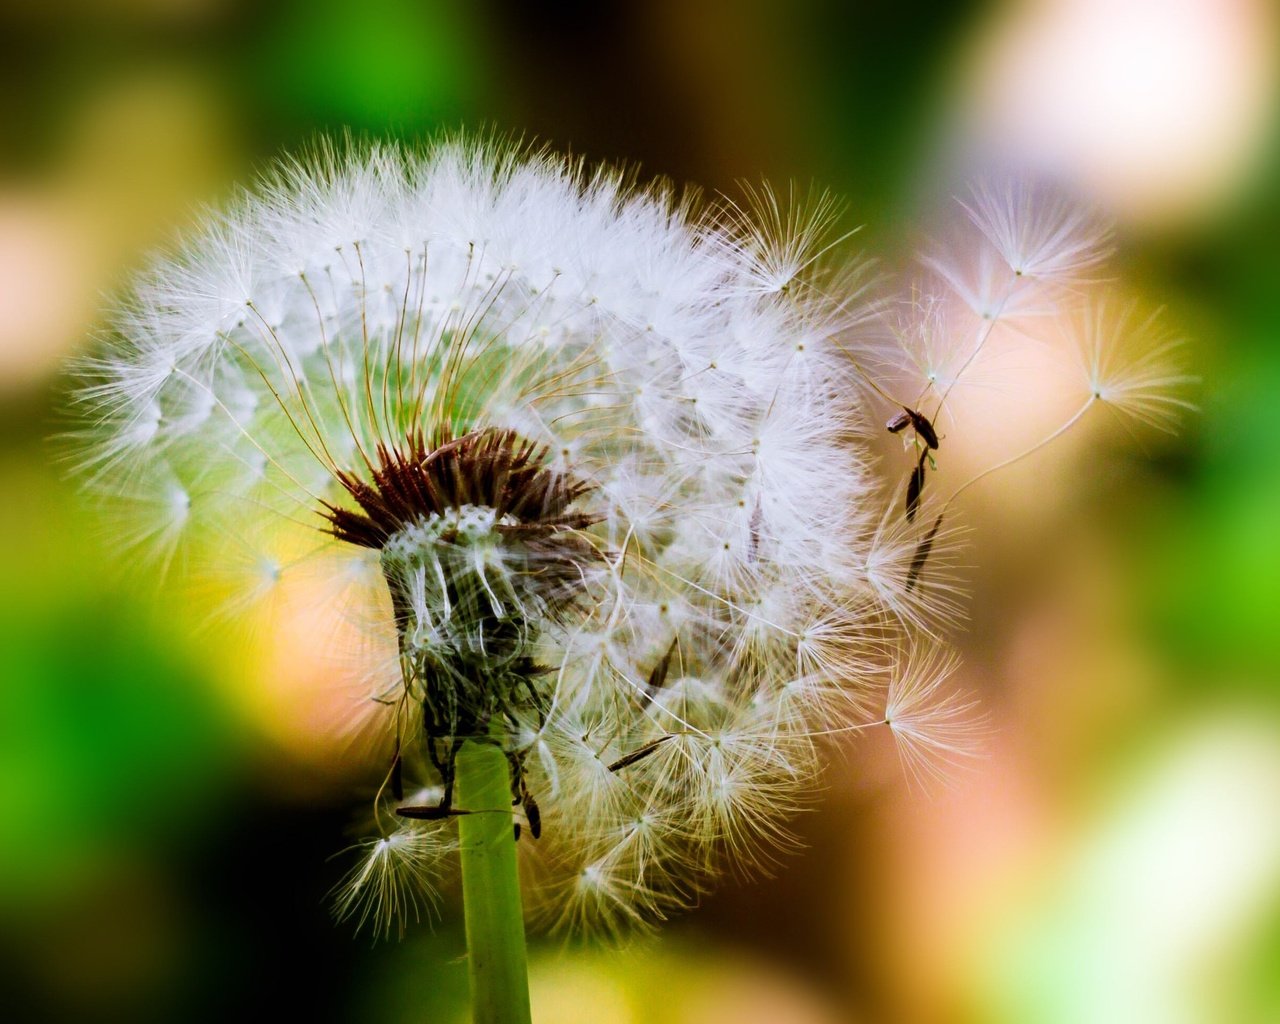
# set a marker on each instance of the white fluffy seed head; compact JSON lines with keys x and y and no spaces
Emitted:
{"x":678,"y":363}
{"x":712,"y":584}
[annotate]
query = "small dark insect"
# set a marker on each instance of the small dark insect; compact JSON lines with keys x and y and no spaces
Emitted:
{"x":915,"y":485}
{"x":919,"y":422}
{"x":640,"y":753}
{"x":900,"y":422}
{"x":922,"y":554}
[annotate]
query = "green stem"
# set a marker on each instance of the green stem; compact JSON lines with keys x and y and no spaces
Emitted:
{"x":491,"y":887}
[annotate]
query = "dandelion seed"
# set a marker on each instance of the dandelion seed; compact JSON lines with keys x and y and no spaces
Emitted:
{"x":1037,"y":231}
{"x":779,"y":240}
{"x":895,"y":566}
{"x":936,"y":730}
{"x":1131,"y":364}
{"x":393,"y":883}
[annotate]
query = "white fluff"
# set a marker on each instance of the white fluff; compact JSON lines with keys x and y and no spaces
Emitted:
{"x":688,"y":365}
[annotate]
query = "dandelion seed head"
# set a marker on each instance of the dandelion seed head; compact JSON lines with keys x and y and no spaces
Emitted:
{"x":584,"y":461}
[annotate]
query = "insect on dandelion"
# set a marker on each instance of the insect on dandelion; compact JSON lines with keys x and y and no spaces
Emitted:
{"x":600,"y":453}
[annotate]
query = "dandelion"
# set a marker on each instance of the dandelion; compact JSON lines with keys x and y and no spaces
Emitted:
{"x":593,"y":457}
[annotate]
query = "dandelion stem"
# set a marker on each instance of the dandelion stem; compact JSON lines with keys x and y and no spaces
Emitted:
{"x":491,"y":887}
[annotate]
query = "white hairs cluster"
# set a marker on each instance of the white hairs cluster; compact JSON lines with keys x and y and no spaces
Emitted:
{"x":712,"y":576}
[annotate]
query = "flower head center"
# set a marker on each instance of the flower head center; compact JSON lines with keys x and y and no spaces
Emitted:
{"x":481,"y":552}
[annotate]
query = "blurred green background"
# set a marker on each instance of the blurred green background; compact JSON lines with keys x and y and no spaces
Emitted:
{"x":168,"y":811}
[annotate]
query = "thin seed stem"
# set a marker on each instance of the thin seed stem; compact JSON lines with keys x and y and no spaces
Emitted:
{"x":1074,"y":419}
{"x":491,"y":886}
